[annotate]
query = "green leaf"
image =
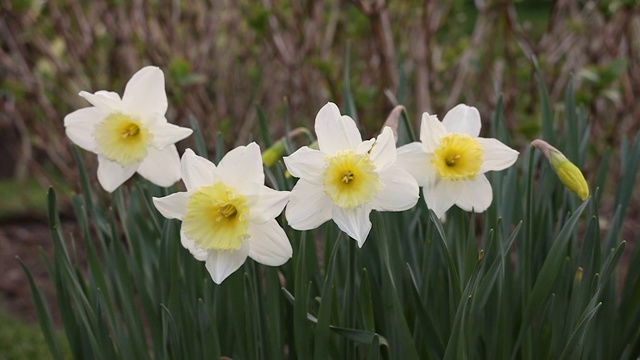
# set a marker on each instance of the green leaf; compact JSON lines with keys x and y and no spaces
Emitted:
{"x":405,"y":346}
{"x":360,"y":336}
{"x":264,"y":127}
{"x":349,"y":105}
{"x":452,"y":269}
{"x":321,"y":339}
{"x":208,"y":338}
{"x":198,"y":137}
{"x":546,"y":117}
{"x":300,"y":305}
{"x":577,"y":337}
{"x":548,"y":273}
{"x":366,"y":302}
{"x":435,"y":343}
{"x":374,"y":349}
{"x":274,"y":318}
{"x":44,"y":315}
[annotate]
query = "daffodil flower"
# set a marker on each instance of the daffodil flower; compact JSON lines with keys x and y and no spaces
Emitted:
{"x":450,"y":160}
{"x":346,"y":178}
{"x":130,"y":134}
{"x":227,"y":213}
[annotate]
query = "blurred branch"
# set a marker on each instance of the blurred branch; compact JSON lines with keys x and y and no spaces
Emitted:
{"x":378,"y":15}
{"x":462,"y":69}
{"x":277,"y":39}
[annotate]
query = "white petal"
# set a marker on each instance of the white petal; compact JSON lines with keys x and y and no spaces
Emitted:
{"x":161,"y":167}
{"x":111,"y":174}
{"x":365,"y":146}
{"x":196,"y":171}
{"x":106,"y":101}
{"x":198,"y":253}
{"x":306,"y":163}
{"x":383,"y":153}
{"x":241,"y":168}
{"x":354,"y":222}
{"x":265,"y":204}
{"x":308,"y":207}
{"x":269,"y":244}
{"x":415,"y":161}
{"x":496,"y":155}
{"x":80,"y":125}
{"x":221,"y":263}
{"x":431,"y":131}
{"x":400,"y":191}
{"x":144,"y":93}
{"x":109,"y":94}
{"x":172,"y":206}
{"x":440,"y":197}
{"x":165,"y":134}
{"x":463,"y":119}
{"x":474,"y":195}
{"x":335,"y":132}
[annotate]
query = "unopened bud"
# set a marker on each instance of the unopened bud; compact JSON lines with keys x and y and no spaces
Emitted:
{"x":393,"y":119}
{"x":568,"y":173}
{"x":271,"y":156}
{"x":579,"y":274}
{"x":274,"y":153}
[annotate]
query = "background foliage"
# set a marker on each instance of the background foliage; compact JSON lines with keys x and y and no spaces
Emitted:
{"x":222,"y":58}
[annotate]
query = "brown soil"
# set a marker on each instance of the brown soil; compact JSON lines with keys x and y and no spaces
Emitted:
{"x":28,"y":239}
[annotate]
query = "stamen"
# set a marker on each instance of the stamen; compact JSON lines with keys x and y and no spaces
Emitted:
{"x":227,"y":210}
{"x":451,"y":160}
{"x":347,"y":177}
{"x":131,"y":131}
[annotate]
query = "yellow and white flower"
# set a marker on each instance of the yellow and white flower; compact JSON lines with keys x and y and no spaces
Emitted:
{"x":130,"y":134}
{"x":450,"y":160}
{"x":227,"y":213}
{"x":346,"y":178}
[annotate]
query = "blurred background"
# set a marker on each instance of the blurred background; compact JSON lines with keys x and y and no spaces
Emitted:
{"x":225,"y":60}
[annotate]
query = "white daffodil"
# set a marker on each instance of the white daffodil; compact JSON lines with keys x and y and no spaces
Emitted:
{"x":346,"y":178}
{"x":227,"y":213}
{"x":450,"y":161}
{"x":129,"y":134}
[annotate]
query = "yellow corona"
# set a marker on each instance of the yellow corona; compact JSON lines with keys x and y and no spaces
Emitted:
{"x":458,"y":157}
{"x":122,"y":139}
{"x":350,"y":179}
{"x":216,"y":218}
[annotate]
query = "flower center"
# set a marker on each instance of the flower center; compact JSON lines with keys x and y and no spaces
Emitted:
{"x":350,"y":179}
{"x":458,"y":157}
{"x":216,"y":218}
{"x":122,"y":139}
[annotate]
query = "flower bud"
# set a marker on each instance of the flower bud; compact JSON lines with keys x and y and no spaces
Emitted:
{"x":568,"y":173}
{"x":393,"y":119}
{"x":273,"y":154}
{"x":579,"y":273}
